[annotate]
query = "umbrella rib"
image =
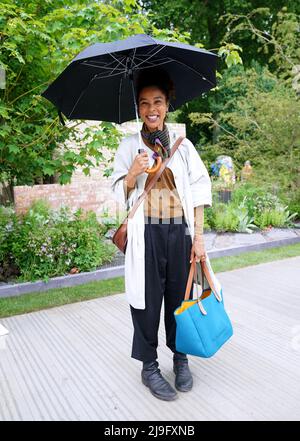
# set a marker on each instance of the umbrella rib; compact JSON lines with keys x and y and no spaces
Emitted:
{"x":158,"y":64}
{"x":118,"y":61}
{"x":104,"y":67}
{"x":121,"y":70}
{"x":152,"y":55}
{"x":99,"y":77}
{"x":132,"y":59}
{"x":120,"y":87}
{"x":103,"y":64}
{"x":150,"y":51}
{"x":194,"y":70}
{"x":107,"y":66}
{"x":146,"y":55}
{"x":80,"y":96}
{"x":116,"y":67}
{"x":164,"y":60}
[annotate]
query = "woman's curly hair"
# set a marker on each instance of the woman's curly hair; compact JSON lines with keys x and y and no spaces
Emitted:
{"x":156,"y":77}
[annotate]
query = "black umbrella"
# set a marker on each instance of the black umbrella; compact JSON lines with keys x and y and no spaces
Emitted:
{"x":99,"y":84}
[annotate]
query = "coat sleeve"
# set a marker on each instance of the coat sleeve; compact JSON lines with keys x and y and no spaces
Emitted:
{"x":121,"y":165}
{"x":199,"y":179}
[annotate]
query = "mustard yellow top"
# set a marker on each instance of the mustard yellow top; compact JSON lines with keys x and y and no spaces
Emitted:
{"x":163,"y":200}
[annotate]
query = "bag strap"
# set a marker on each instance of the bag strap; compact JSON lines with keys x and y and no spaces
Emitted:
{"x":154,"y":179}
{"x":192,"y":274}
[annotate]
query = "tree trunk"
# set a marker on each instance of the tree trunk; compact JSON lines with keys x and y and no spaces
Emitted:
{"x":6,"y":193}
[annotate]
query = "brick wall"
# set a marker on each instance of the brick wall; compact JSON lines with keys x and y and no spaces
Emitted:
{"x":87,"y":192}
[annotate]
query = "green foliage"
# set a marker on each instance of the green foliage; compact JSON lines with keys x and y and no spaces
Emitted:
{"x":212,"y":23}
{"x":8,"y":223}
{"x":253,"y":113}
{"x":255,"y":117}
{"x":276,"y":217}
{"x":44,"y":243}
{"x":208,"y":219}
{"x":255,"y":199}
{"x":231,"y":54}
{"x":38,"y":41}
{"x":238,"y":218}
{"x":277,"y":39}
{"x":107,"y":221}
{"x":259,"y":201}
{"x":251,"y":208}
{"x":293,"y":202}
{"x":225,"y":218}
{"x":229,"y":217}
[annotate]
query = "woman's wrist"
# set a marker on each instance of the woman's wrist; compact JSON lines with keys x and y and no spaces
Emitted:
{"x":130,"y":178}
{"x":129,"y":182}
{"x":131,"y":174}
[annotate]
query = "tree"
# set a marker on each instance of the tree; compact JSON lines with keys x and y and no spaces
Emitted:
{"x":201,"y":19}
{"x":280,"y":45}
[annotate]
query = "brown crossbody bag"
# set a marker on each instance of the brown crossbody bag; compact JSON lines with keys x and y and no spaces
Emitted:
{"x":120,"y":236}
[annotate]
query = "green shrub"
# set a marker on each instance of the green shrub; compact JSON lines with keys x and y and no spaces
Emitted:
{"x":49,"y":243}
{"x":208,"y":218}
{"x":8,"y":224}
{"x":277,"y":217}
{"x":294,"y":207}
{"x":253,"y":198}
{"x":293,"y":203}
{"x":251,"y":207}
{"x":225,"y":218}
{"x":107,"y":222}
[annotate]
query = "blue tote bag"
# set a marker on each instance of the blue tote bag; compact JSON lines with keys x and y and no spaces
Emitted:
{"x":202,"y":324}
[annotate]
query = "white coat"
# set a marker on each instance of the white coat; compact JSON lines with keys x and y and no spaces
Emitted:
{"x":194,"y":188}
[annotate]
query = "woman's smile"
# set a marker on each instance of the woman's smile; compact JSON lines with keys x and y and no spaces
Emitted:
{"x":152,"y":118}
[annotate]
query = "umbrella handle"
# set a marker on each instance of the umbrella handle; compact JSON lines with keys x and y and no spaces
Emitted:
{"x":156,"y":167}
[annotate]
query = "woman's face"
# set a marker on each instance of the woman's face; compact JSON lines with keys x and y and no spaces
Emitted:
{"x":153,"y":107}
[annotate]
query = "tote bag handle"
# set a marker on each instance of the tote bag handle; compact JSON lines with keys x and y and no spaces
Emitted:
{"x":205,"y":272}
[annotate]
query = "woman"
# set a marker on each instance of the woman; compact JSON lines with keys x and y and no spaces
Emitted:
{"x":165,"y":233}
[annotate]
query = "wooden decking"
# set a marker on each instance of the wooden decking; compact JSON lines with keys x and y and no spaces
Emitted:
{"x":73,"y":362}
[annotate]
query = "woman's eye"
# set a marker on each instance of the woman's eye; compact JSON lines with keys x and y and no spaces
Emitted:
{"x":156,"y":103}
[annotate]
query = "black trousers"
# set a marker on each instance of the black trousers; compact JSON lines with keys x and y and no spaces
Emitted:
{"x":167,"y":262}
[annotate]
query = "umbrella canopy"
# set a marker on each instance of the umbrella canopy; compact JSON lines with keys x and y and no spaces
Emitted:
{"x":99,"y":83}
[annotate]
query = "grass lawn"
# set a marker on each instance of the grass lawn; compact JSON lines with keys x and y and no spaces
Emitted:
{"x":55,"y":297}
